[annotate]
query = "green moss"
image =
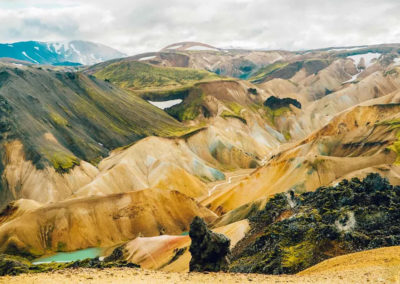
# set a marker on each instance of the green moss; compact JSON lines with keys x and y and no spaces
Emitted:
{"x":235,"y":107}
{"x":136,"y":75}
{"x":13,"y":265}
{"x":273,"y":114}
{"x":191,"y":106}
{"x":395,"y":147}
{"x":58,"y":120}
{"x":267,"y":70}
{"x":227,"y":114}
{"x":287,"y":135}
{"x":63,"y":162}
{"x":296,"y":231}
{"x":299,"y":256}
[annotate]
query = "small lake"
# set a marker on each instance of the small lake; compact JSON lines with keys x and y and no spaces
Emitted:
{"x":70,"y":256}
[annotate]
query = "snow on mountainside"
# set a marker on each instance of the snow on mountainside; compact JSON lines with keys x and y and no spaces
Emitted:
{"x":59,"y":53}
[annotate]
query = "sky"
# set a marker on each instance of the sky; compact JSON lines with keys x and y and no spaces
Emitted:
{"x":136,"y":26}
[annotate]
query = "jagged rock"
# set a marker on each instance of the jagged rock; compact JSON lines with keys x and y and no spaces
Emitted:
{"x":209,"y":250}
{"x":117,"y":254}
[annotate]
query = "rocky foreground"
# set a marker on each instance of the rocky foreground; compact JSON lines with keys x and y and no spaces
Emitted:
{"x":373,"y":266}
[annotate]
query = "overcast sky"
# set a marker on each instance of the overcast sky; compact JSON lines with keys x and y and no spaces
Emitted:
{"x":135,"y":26}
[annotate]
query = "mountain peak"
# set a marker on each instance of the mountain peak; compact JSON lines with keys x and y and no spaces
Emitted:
{"x":76,"y":51}
{"x":190,"y":46}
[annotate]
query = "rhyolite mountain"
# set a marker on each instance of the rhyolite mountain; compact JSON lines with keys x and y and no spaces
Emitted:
{"x":127,"y":151}
{"x":71,"y":53}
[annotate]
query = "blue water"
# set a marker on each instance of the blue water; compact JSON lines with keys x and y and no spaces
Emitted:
{"x":70,"y":256}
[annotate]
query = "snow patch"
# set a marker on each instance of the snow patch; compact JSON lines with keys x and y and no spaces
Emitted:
{"x":200,"y":48}
{"x":352,"y":79}
{"x":60,"y":47}
{"x":27,"y":56}
{"x":368,"y":57}
{"x":175,"y":46}
{"x":345,"y":48}
{"x":396,"y":61}
{"x":147,"y":58}
{"x":166,"y":104}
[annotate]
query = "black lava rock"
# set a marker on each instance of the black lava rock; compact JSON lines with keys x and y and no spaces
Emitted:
{"x":209,"y":250}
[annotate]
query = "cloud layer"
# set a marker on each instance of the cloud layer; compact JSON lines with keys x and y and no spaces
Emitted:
{"x":135,"y":26}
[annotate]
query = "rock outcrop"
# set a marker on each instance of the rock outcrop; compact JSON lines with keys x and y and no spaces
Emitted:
{"x":209,"y":250}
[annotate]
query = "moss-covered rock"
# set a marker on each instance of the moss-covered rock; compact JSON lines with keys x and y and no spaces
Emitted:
{"x":294,"y":232}
{"x":209,"y":250}
{"x":14,"y":265}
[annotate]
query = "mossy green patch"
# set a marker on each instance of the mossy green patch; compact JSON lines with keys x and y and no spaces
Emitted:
{"x":63,"y":162}
{"x":191,"y":107}
{"x":298,"y":256}
{"x":58,"y":119}
{"x":267,"y":70}
{"x":228,"y":114}
{"x":136,"y":75}
{"x":296,"y":231}
{"x":395,"y":147}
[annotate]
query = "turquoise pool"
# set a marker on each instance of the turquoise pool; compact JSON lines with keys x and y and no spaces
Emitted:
{"x":70,"y":256}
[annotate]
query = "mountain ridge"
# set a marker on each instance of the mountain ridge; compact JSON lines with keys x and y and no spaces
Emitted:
{"x":76,"y":52}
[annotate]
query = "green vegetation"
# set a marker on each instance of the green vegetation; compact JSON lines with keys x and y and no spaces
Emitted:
{"x":296,"y":231}
{"x":58,"y":120}
{"x":286,"y":70}
{"x":62,"y":161}
{"x":235,"y":107}
{"x":14,"y":265}
{"x":262,"y":73}
{"x":136,"y":75}
{"x":272,"y":114}
{"x":227,"y":114}
{"x":191,"y":107}
{"x":395,"y":147}
{"x":62,"y":118}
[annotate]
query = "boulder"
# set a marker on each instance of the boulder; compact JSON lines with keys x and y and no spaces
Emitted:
{"x":209,"y":250}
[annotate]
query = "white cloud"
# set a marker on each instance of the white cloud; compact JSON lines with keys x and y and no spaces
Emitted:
{"x":136,"y":26}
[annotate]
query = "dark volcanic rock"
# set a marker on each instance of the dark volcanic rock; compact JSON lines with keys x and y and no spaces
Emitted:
{"x":209,"y":250}
{"x":274,"y":102}
{"x":298,"y":230}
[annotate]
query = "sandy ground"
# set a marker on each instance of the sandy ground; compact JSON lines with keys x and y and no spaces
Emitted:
{"x":372,"y":266}
{"x":126,"y":275}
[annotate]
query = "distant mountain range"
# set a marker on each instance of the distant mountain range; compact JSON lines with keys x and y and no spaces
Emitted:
{"x":59,"y":53}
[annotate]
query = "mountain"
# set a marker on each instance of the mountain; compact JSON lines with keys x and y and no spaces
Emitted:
{"x":69,"y":53}
{"x":276,"y":149}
